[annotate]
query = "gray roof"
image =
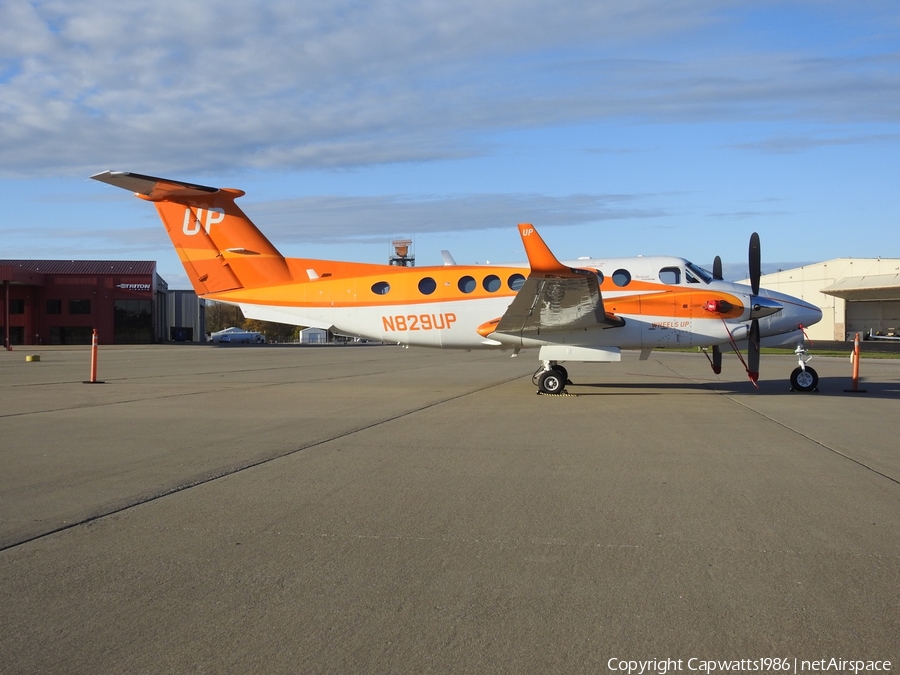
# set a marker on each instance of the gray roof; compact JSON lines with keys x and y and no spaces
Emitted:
{"x":82,"y":266}
{"x":871,"y":287}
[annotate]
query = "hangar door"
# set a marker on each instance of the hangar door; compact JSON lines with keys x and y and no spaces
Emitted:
{"x":880,"y":316}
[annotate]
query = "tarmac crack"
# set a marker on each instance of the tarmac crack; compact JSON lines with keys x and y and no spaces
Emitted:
{"x":814,"y":441}
{"x":243,"y":466}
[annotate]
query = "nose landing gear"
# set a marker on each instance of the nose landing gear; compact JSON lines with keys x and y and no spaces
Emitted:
{"x":804,"y":378}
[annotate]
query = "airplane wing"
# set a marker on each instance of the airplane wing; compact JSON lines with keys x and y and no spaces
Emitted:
{"x":554,"y":298}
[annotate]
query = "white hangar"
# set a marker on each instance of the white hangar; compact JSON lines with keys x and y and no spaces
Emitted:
{"x":855,"y":295}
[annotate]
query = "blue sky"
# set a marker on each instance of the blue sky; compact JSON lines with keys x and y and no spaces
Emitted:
{"x":617,"y":128}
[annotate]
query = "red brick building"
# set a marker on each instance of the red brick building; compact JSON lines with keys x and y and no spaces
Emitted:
{"x":62,"y":301}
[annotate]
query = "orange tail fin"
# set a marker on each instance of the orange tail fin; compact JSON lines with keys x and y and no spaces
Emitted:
{"x":220,"y":248}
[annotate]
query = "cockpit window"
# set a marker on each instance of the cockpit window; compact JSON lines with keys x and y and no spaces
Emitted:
{"x":695,"y":274}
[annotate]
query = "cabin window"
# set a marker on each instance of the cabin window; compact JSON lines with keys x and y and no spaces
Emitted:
{"x":600,"y":277}
{"x":381,"y":288}
{"x":492,"y":283}
{"x":670,"y":275}
{"x":621,"y":277}
{"x":427,"y":286}
{"x":516,"y":281}
{"x":467,"y":284}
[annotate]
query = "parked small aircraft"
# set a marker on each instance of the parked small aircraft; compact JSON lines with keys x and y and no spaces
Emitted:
{"x":584,"y":310}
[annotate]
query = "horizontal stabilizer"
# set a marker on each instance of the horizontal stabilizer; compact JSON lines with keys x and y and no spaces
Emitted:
{"x":154,"y":189}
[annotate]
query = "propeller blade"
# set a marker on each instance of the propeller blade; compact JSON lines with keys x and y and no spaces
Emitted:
{"x":717,"y":269}
{"x":716,"y":358}
{"x":755,"y":263}
{"x":753,"y":352}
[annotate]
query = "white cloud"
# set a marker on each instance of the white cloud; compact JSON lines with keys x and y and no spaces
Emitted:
{"x":214,"y":85}
{"x":326,"y":219}
{"x":793,"y":144}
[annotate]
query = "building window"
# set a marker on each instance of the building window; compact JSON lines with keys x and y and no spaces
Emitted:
{"x":133,"y":322}
{"x":16,"y":306}
{"x":71,"y":335}
{"x":54,"y":307}
{"x":79,"y":306}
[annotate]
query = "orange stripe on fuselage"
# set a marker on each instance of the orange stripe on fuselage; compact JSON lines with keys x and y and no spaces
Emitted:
{"x":676,"y":302}
{"x":341,"y":284}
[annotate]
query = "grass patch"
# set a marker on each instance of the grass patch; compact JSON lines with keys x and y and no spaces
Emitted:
{"x":833,"y":352}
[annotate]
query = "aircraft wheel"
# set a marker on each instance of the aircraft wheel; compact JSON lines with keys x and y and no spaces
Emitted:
{"x":563,"y":373}
{"x":804,"y":380}
{"x":551,"y":382}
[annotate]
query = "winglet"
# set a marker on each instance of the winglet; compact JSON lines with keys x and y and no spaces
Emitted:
{"x":540,"y":257}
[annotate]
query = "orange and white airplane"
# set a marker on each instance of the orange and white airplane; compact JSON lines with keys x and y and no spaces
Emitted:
{"x":584,"y":310}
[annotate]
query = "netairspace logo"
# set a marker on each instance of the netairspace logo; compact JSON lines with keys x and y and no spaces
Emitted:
{"x":771,"y":665}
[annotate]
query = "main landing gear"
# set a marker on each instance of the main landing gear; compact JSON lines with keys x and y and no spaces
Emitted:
{"x":551,"y":378}
{"x":804,"y":378}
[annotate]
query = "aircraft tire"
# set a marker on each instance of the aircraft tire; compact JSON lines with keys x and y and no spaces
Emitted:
{"x":804,"y":380}
{"x":563,"y":373}
{"x":551,"y":382}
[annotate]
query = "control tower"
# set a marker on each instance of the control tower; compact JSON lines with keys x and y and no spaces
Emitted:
{"x":402,"y":256}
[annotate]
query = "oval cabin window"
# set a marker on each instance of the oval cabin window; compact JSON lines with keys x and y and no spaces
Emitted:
{"x":427,"y":286}
{"x":516,"y":281}
{"x":492,"y":283}
{"x":621,"y":277}
{"x":467,"y":284}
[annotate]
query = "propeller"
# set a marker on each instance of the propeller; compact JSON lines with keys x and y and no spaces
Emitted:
{"x":716,"y":352}
{"x":755,"y":258}
{"x":755,"y":263}
{"x":759,"y":307}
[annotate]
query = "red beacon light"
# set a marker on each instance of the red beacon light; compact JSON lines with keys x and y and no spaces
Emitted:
{"x":717,"y":306}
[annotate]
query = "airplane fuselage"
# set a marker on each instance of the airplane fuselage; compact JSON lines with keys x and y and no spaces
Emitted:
{"x":663,"y":300}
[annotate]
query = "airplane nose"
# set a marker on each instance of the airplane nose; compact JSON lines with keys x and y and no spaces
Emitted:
{"x":803,"y":313}
{"x":795,"y":312}
{"x":814,"y":315}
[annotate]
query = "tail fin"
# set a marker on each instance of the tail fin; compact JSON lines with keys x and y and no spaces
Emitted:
{"x":220,"y":248}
